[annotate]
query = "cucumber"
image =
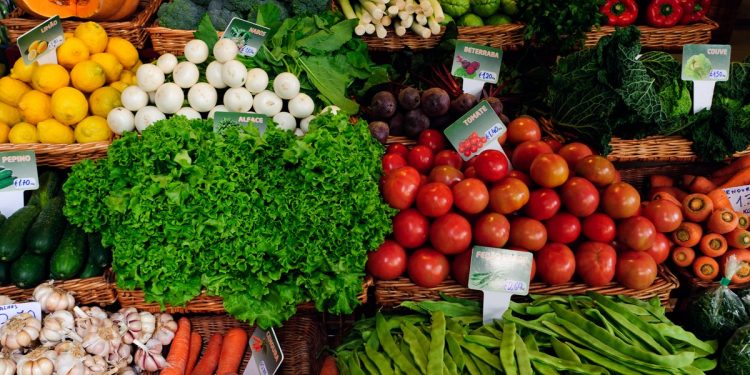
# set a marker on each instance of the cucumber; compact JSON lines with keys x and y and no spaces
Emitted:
{"x":91,"y":270}
{"x":4,"y":273}
{"x":70,"y":256}
{"x":49,"y":187}
{"x":2,"y":219}
{"x":28,"y":271}
{"x":98,"y":254}
{"x":44,"y":234}
{"x":13,"y":231}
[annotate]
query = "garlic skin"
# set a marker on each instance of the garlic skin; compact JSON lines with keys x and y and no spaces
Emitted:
{"x":148,"y":326}
{"x":20,"y":331}
{"x":95,"y":365}
{"x":121,"y":357}
{"x":129,"y":322}
{"x":87,"y":319}
{"x":5,"y":300}
{"x":103,"y":339}
{"x":39,"y":361}
{"x":69,"y":363}
{"x":125,"y":371}
{"x":57,"y":327}
{"x":148,"y":357}
{"x":53,"y":298}
{"x":165,"y":328}
{"x":7,"y":364}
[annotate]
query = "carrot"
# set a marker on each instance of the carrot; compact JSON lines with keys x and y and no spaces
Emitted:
{"x":742,"y":177}
{"x":701,"y":185}
{"x":195,"y":350}
{"x":179,"y":351}
{"x":720,"y":199}
{"x":683,"y":256}
{"x":677,"y":193}
{"x":329,"y":366}
{"x":731,"y":169}
{"x":687,"y":179}
{"x":706,"y":268}
{"x":743,"y":222}
{"x":232,"y":351}
{"x":665,"y":196}
{"x":697,"y":207}
{"x":209,"y":361}
{"x":687,"y":234}
{"x":738,"y":238}
{"x":659,"y":180}
{"x":722,"y":221}
{"x":713,"y":245}
{"x":743,"y":272}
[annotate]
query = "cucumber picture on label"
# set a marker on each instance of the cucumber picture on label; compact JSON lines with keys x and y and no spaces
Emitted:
{"x":6,"y":178}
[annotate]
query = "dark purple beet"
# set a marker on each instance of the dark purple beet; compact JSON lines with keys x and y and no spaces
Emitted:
{"x":383,"y":105}
{"x":435,"y":102}
{"x":496,"y":104}
{"x":379,"y":130}
{"x":442,"y":122}
{"x":415,"y":122}
{"x":408,"y":98}
{"x":504,"y":119}
{"x":463,"y":103}
{"x":397,"y":124}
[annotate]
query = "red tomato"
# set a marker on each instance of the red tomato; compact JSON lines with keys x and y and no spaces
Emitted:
{"x":470,"y":172}
{"x":579,"y":196}
{"x":660,"y":249}
{"x":508,"y":196}
{"x":637,"y":233}
{"x":549,"y":170}
{"x":433,"y":139}
{"x":434,"y":199}
{"x":460,"y":268}
{"x":596,"y":169}
{"x":555,"y":263}
{"x":449,"y":157}
{"x":471,"y":195}
{"x":387,"y":262}
{"x":527,"y":233}
{"x":533,"y":269}
{"x":620,"y":200}
{"x":595,"y":263}
{"x":421,"y":158}
{"x":391,"y":162}
{"x":599,"y":227}
{"x":635,"y":270}
{"x":563,"y":227}
{"x":410,"y":228}
{"x":501,"y":140}
{"x":522,"y":129}
{"x":427,"y":267}
{"x":450,"y":234}
{"x":491,"y":229}
{"x":526,"y":152}
{"x":543,"y":204}
{"x":445,"y":174}
{"x":400,"y":187}
{"x":554,"y":144}
{"x":521,"y":176}
{"x":491,"y":165}
{"x":397,"y":148}
{"x":573,"y":152}
{"x":665,"y":215}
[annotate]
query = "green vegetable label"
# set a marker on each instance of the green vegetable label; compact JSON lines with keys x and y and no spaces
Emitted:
{"x":476,"y":131}
{"x":266,"y":353}
{"x":500,"y":270}
{"x":478,"y":62}
{"x":224,"y":120}
{"x":706,"y":62}
{"x":40,"y":43}
{"x":18,"y":171}
{"x":248,"y":36}
{"x":740,"y":198}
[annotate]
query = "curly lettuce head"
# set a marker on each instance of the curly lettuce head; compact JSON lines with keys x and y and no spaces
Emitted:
{"x":698,"y":67}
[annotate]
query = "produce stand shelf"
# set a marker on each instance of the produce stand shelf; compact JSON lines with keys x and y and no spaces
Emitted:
{"x":132,"y":29}
{"x":637,"y":173}
{"x":166,"y":40}
{"x":60,"y":156}
{"x":695,"y":283}
{"x":392,"y":42}
{"x":668,"y":39}
{"x":91,"y":291}
{"x":392,"y":293}
{"x":507,"y":37}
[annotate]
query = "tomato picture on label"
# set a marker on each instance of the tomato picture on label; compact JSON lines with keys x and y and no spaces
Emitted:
{"x":471,"y":145}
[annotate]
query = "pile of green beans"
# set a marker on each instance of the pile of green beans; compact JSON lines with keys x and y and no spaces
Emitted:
{"x":588,"y":334}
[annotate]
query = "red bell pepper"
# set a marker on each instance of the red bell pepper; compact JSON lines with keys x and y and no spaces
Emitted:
{"x":620,"y":12}
{"x":694,"y":10}
{"x":663,"y":13}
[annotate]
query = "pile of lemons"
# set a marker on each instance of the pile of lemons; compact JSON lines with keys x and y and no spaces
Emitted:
{"x":69,"y":101}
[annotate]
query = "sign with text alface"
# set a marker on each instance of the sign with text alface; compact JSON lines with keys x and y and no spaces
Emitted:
{"x":248,"y":36}
{"x":223,"y":120}
{"x":499,"y":273}
{"x":476,"y":131}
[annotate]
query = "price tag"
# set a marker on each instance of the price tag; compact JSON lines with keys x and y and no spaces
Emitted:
{"x":40,"y":43}
{"x":740,"y":198}
{"x":266,"y":353}
{"x":17,"y":174}
{"x":499,"y":273}
{"x":477,"y":65}
{"x":9,"y":311}
{"x":476,"y":131}
{"x":705,"y":64}
{"x":224,"y":120}
{"x":248,"y":36}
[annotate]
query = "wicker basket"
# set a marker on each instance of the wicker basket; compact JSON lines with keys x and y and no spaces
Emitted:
{"x":637,"y":173}
{"x":203,"y":304}
{"x":392,"y":293}
{"x":166,"y":40}
{"x":392,"y":42}
{"x":507,"y":37}
{"x":656,"y":148}
{"x":132,"y":30}
{"x":668,"y":39}
{"x":695,"y":283}
{"x":60,"y":156}
{"x":92,"y":291}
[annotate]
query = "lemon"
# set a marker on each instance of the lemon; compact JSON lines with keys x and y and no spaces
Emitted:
{"x":136,"y":66}
{"x":69,"y":106}
{"x":52,"y":131}
{"x":71,"y":52}
{"x":119,"y":85}
{"x":93,"y":129}
{"x":67,"y":35}
{"x":23,"y":72}
{"x":35,"y":106}
{"x":49,"y":77}
{"x":4,"y":130}
{"x":9,"y":115}
{"x":112,"y":67}
{"x":88,"y":76}
{"x":93,"y":35}
{"x":128,"y":77}
{"x":104,"y":100}
{"x":124,"y":51}
{"x":11,"y":90}
{"x":23,"y":132}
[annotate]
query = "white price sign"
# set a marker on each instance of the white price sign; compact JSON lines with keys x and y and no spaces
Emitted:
{"x":740,"y":198}
{"x":9,"y":311}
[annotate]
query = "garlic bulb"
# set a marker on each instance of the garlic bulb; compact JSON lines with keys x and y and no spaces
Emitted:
{"x":165,"y":328}
{"x":20,"y":331}
{"x":5,"y":300}
{"x":125,"y":371}
{"x":7,"y":364}
{"x":129,"y":323}
{"x":148,"y":326}
{"x":87,"y":319}
{"x":57,"y":327}
{"x":70,"y":363}
{"x":148,"y":356}
{"x":39,"y":361}
{"x":95,"y":365}
{"x":53,"y":298}
{"x":121,"y":357}
{"x":72,"y":347}
{"x":102,"y":339}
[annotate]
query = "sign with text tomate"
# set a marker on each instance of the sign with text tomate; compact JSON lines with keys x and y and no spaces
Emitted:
{"x":476,"y":131}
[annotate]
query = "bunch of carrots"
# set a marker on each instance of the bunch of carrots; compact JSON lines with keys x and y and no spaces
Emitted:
{"x":223,"y":354}
{"x":712,"y":230}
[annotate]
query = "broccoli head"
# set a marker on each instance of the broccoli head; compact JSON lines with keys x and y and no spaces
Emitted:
{"x":309,"y":7}
{"x":180,"y":14}
{"x":215,"y":5}
{"x":203,"y":3}
{"x":220,"y":18}
{"x":252,"y":14}
{"x":239,"y":6}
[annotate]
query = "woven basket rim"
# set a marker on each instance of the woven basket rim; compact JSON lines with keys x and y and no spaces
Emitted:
{"x":695,"y":282}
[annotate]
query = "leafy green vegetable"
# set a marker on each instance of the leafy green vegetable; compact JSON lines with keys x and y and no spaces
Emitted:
{"x":206,"y":32}
{"x":559,"y":24}
{"x":266,"y":222}
{"x":735,"y":357}
{"x":716,"y":313}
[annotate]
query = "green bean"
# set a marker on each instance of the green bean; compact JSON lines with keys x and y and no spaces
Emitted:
{"x":450,"y":309}
{"x":530,"y":342}
{"x":482,"y":354}
{"x":354,"y":366}
{"x":508,"y":348}
{"x":522,"y":356}
{"x":461,"y":301}
{"x":496,"y":333}
{"x":390,"y":347}
{"x":367,"y":363}
{"x":342,"y":363}
{"x":453,"y":326}
{"x":598,"y":359}
{"x":564,"y":365}
{"x":650,"y":309}
{"x":437,"y":343}
{"x":538,"y":310}
{"x":595,"y":316}
{"x":544,"y":369}
{"x":487,"y":342}
{"x":415,"y":347}
{"x":396,"y":321}
{"x":540,"y":300}
{"x":676,"y":333}
{"x":450,"y":364}
{"x":532,"y":326}
{"x":468,"y":320}
{"x":482,"y":366}
{"x":471,"y":367}
{"x":456,"y":353}
{"x":563,"y":351}
{"x":704,"y":364}
{"x":518,"y":307}
{"x":381,"y":361}
{"x":423,"y":336}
